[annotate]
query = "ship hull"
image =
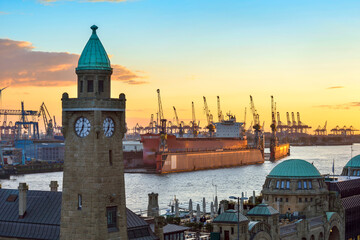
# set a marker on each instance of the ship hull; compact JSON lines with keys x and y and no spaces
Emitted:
{"x":194,"y":161}
{"x":192,"y":154}
{"x":280,"y":151}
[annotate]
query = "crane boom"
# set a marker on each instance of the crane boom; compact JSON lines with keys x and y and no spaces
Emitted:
{"x":255,"y":114}
{"x":193,"y":113}
{"x":47,"y":120}
{"x":298,"y":119}
{"x":160,"y":109}
{"x":207,"y":112}
{"x":194,"y":124}
{"x":273,"y":112}
{"x":209,"y":118}
{"x":161,"y":115}
{"x":245,"y":118}
{"x":278,"y":118}
{"x":220,"y":115}
{"x":176,"y":117}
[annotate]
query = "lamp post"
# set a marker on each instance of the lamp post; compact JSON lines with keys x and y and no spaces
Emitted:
{"x":238,"y":215}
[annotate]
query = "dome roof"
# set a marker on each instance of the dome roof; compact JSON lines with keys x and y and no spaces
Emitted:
{"x":354,"y":162}
{"x":94,"y":56}
{"x":295,"y":168}
{"x":262,"y":210}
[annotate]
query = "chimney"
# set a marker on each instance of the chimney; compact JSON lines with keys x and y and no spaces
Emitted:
{"x":23,"y":188}
{"x":159,"y":227}
{"x":153,"y":206}
{"x":54,"y":186}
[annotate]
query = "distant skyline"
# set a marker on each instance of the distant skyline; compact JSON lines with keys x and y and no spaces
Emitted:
{"x":304,"y":53}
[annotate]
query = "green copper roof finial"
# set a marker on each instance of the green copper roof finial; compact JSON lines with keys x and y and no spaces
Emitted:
{"x":94,"y":56}
{"x":94,"y":28}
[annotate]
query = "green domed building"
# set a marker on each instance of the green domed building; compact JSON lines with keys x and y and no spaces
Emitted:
{"x":352,"y":168}
{"x":294,"y":184}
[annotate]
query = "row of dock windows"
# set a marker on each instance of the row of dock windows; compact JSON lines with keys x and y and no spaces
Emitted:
{"x":286,"y":184}
{"x":356,"y":173}
{"x":304,"y":184}
{"x":282,"y":184}
{"x":300,"y":200}
{"x":305,"y":200}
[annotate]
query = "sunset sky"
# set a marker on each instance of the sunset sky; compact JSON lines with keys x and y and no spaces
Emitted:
{"x":305,"y":53}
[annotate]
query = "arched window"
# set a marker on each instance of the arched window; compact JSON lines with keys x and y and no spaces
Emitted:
{"x":299,"y":185}
{"x":310,"y":184}
{"x":277,"y":184}
{"x":358,"y":172}
{"x":288,"y":184}
{"x":282,"y":184}
{"x":305,"y":185}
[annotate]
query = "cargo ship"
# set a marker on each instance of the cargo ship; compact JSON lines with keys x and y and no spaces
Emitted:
{"x":228,"y":147}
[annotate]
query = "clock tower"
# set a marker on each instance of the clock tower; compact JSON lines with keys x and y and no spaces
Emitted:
{"x":93,"y":197}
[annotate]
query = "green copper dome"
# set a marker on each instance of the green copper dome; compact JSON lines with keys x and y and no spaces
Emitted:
{"x":262,"y":210}
{"x":94,"y":56}
{"x":295,"y":168}
{"x":354,"y":162}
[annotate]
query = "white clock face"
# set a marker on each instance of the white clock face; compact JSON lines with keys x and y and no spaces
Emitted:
{"x":108,"y":127}
{"x":82,"y":127}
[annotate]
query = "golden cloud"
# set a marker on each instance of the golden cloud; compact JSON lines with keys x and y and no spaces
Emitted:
{"x":335,"y":87}
{"x":20,"y":65}
{"x":341,"y":106}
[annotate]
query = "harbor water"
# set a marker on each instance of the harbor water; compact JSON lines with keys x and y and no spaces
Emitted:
{"x":196,"y":185}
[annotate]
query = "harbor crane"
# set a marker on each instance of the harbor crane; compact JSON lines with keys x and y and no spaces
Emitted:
{"x":194,"y":125}
{"x":288,"y":122}
{"x":294,"y":124}
{"x":209,"y":119}
{"x":273,"y":117}
{"x":244,"y":119}
{"x":322,"y":130}
{"x":220,"y":114}
{"x":256,"y":125}
{"x":178,"y":123}
{"x":1,"y":90}
{"x":23,"y":128}
{"x":48,"y":122}
{"x":161,"y":115}
{"x":273,"y":126}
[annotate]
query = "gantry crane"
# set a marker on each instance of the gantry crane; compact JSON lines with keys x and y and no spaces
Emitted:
{"x":209,"y":119}
{"x":294,"y":124}
{"x":220,"y":114}
{"x":23,"y":128}
{"x":288,"y":122}
{"x":161,"y":115}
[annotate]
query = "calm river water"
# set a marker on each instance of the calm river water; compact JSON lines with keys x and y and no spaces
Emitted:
{"x":196,"y":185}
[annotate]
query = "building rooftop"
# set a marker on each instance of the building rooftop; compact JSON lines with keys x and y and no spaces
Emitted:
{"x":94,"y":56}
{"x":230,"y":216}
{"x":262,"y":210}
{"x":42,"y":218}
{"x":295,"y":168}
{"x":353,"y":162}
